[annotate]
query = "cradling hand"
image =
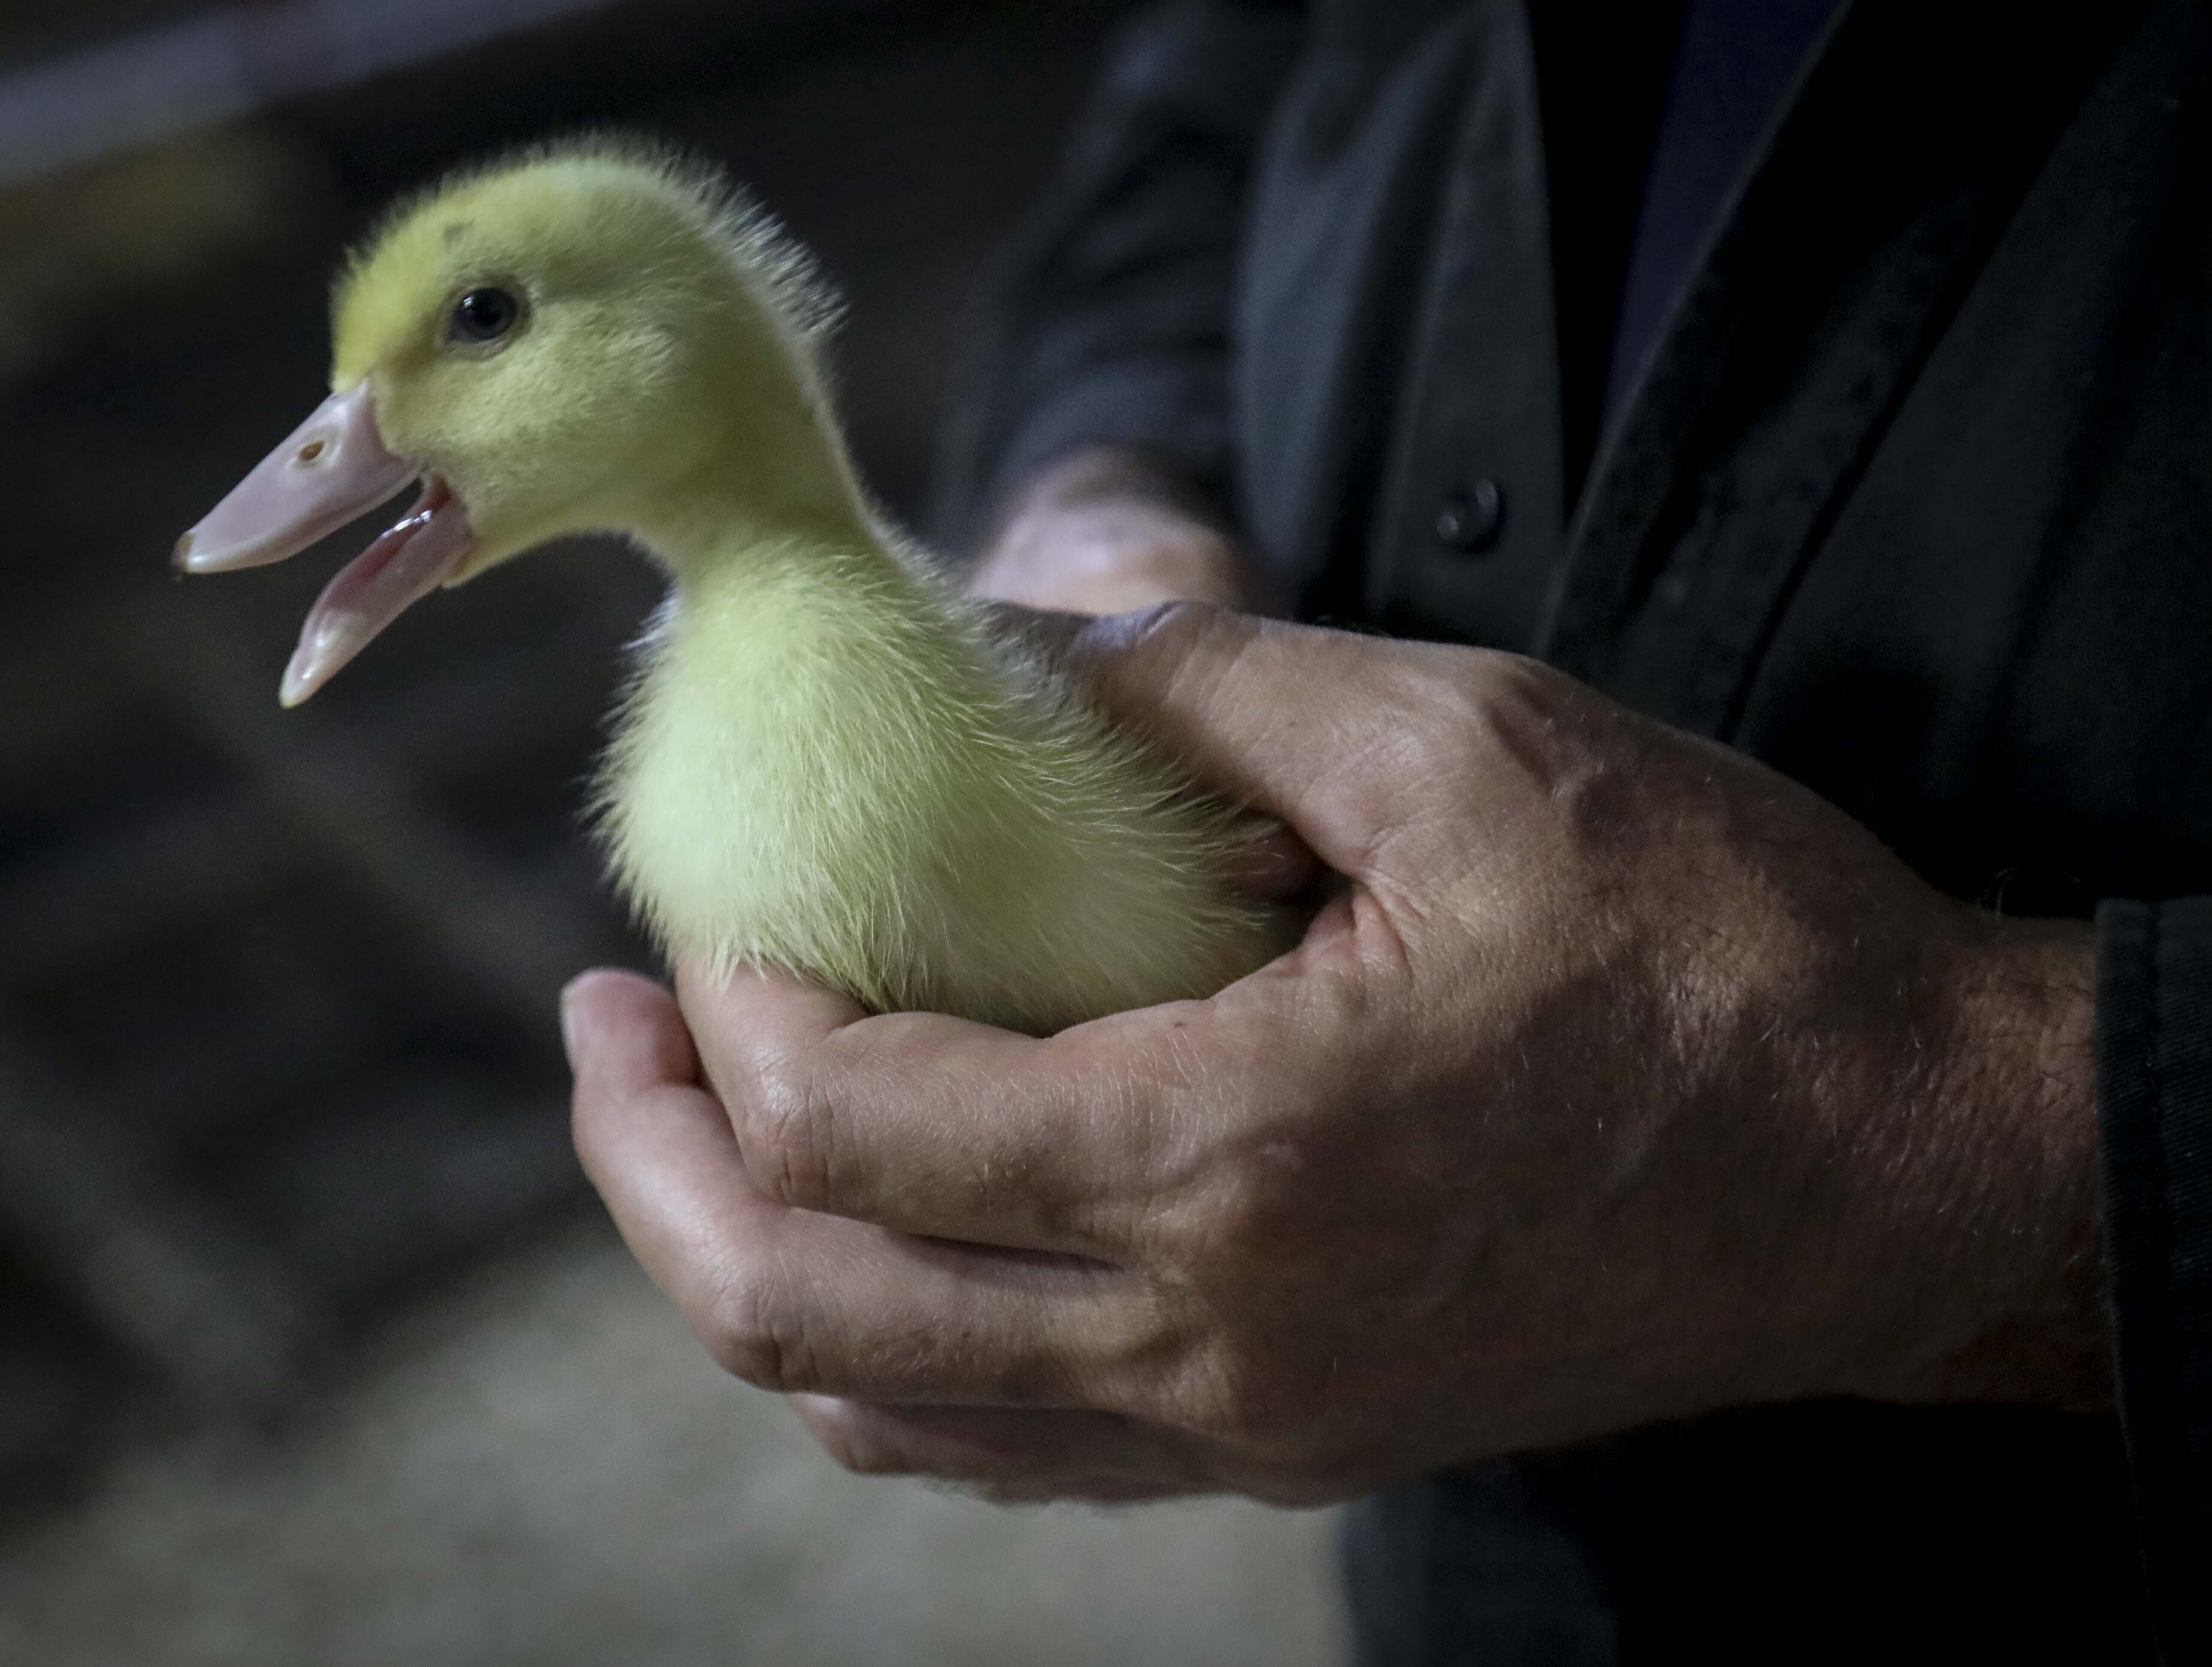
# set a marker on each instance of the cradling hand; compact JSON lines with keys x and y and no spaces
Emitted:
{"x":1620,"y":1080}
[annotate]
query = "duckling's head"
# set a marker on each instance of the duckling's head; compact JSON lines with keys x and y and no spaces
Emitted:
{"x":597,"y":336}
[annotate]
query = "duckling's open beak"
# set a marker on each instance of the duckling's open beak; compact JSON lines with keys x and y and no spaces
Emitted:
{"x":332,"y":468}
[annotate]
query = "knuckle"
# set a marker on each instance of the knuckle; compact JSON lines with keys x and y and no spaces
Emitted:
{"x":752,"y":1333}
{"x":1499,"y":678}
{"x":787,"y":1136}
{"x":1481,"y":701}
{"x":1258,"y":1209}
{"x":1455,"y":735}
{"x":1238,"y":1402}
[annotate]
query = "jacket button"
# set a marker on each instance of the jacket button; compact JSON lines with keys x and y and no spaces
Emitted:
{"x":1469,"y":521}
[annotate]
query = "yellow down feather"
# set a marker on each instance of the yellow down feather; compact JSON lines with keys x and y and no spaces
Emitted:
{"x":828,"y":760}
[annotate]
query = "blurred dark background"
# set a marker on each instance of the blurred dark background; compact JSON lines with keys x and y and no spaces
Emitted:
{"x":277,"y":1055}
{"x":313,"y":1341}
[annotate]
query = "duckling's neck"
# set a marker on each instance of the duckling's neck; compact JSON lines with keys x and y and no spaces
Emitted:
{"x":796,"y":590}
{"x":759,"y":466}
{"x":712,"y":539}
{"x":782,"y":569}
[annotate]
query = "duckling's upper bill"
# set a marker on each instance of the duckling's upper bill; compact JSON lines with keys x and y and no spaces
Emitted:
{"x":330,"y":469}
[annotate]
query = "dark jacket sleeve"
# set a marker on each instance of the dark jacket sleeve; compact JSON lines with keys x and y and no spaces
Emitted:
{"x":1109,"y":322}
{"x":2154,"y":1104}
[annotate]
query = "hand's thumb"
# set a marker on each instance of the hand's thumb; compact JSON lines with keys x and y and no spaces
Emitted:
{"x":1265,"y":712}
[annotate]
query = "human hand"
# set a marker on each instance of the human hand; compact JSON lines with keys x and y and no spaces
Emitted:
{"x":1103,"y":532}
{"x":1624,"y":1081}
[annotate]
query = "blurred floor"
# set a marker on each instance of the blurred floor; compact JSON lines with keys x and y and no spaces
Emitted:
{"x":545,"y":1469}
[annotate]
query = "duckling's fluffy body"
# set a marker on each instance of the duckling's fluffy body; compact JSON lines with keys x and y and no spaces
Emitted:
{"x":866,"y":787}
{"x":828,"y":760}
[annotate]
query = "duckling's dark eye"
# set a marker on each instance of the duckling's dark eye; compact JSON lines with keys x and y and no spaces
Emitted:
{"x":483,"y":315}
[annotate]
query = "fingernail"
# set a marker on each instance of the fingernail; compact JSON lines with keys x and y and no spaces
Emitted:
{"x":572,"y":1024}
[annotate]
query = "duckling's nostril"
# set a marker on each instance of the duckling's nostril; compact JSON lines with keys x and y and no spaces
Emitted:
{"x":310,"y":451}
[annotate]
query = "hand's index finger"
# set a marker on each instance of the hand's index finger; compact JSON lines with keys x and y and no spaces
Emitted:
{"x":796,"y":1301}
{"x":928,"y":1124}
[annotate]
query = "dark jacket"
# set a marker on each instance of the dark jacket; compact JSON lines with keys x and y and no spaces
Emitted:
{"x":1913,"y":501}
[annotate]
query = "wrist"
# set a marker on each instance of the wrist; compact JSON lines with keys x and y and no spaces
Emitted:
{"x":1999,"y":1284}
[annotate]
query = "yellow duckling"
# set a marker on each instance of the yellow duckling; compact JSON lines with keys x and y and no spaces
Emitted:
{"x":829,"y":761}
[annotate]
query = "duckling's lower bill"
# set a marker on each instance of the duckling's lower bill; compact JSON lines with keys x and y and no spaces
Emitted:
{"x":332,"y":468}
